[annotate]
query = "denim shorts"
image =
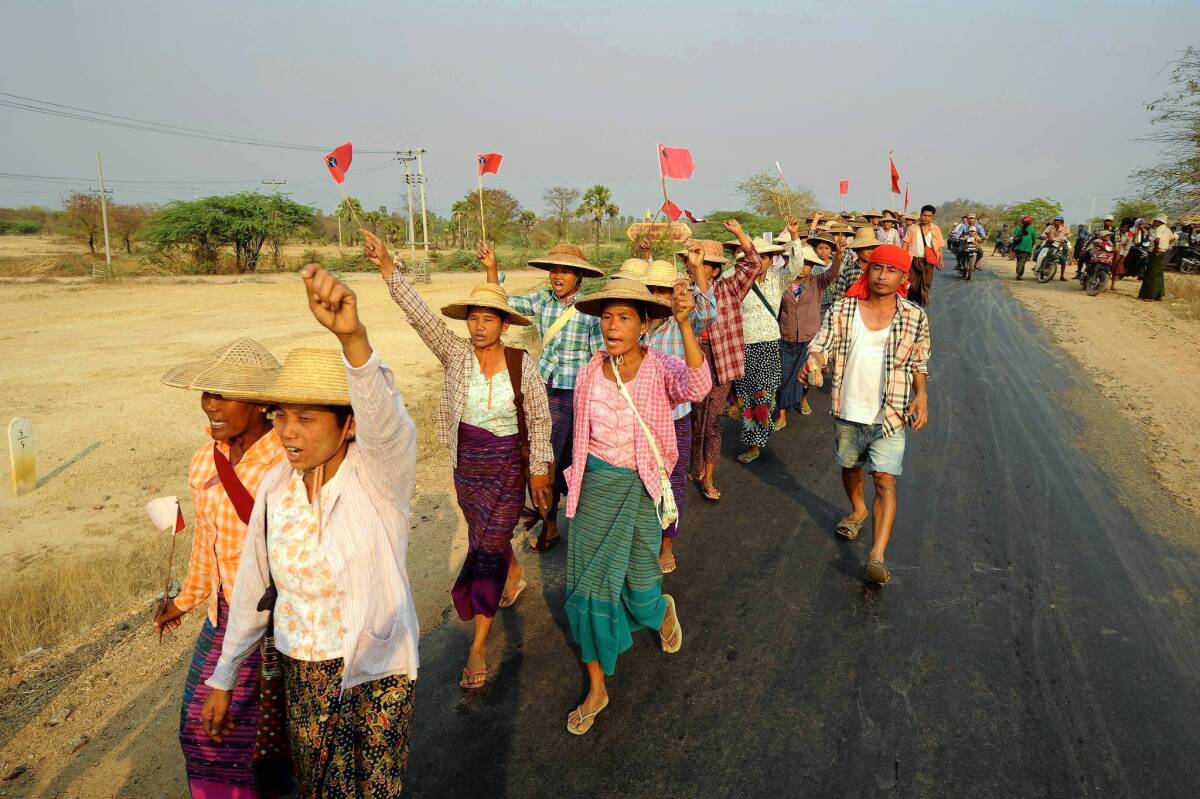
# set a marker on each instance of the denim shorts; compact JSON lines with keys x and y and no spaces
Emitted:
{"x":865,"y":445}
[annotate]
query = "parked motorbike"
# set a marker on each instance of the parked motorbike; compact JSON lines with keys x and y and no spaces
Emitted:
{"x":1189,"y":261}
{"x":1101,"y":255}
{"x":1055,"y":257}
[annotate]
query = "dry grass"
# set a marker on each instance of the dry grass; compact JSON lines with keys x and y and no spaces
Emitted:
{"x":58,"y":598}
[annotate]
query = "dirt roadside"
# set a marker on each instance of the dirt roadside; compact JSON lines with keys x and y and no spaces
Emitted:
{"x":1144,"y":355}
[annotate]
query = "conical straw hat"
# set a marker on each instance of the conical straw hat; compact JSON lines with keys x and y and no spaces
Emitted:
{"x":632,"y":269}
{"x":237,"y":370}
{"x":662,"y":275}
{"x":713,"y":253}
{"x":310,"y":377}
{"x":624,"y":289}
{"x":485,"y":295}
{"x":864,"y":237}
{"x":566,"y":255}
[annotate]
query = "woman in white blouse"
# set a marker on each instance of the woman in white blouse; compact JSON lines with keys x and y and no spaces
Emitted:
{"x":324,"y":563}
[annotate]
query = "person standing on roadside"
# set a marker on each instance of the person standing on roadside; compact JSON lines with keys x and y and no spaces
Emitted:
{"x":925,"y":244}
{"x":879,"y":343}
{"x":1153,"y":282}
{"x":1022,"y":243}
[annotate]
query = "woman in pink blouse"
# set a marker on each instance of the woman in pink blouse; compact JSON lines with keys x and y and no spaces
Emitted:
{"x":618,"y":487}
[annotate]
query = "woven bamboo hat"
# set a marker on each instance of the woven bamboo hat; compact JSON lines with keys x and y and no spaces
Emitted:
{"x":485,"y":295}
{"x":566,"y":255}
{"x":870,"y":212}
{"x":840,"y":227}
{"x":809,"y":255}
{"x":864,"y":237}
{"x":713,"y":253}
{"x":309,"y":377}
{"x":888,"y":216}
{"x":911,"y":216}
{"x":821,"y":235}
{"x":786,"y":236}
{"x":237,"y":370}
{"x":762,"y":247}
{"x":661,"y":275}
{"x":627,"y":290}
{"x":632,"y":269}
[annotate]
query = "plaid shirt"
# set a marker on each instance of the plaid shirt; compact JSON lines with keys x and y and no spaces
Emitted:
{"x":851,"y":271}
{"x":574,"y":345}
{"x":457,"y":355}
{"x":726,"y":334}
{"x":218,"y":532}
{"x":667,"y":338}
{"x":663,"y":381}
{"x":907,"y":354}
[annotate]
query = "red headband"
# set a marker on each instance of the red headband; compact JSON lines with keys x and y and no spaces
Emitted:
{"x":889,"y":255}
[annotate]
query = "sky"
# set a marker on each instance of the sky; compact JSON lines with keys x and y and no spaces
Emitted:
{"x":998,"y":102}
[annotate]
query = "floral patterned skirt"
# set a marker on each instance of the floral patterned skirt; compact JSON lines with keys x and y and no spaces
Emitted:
{"x":756,"y":392}
{"x":353,"y":747}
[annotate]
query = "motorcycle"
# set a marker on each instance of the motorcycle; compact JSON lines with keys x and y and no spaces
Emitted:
{"x":1136,"y":260}
{"x":1189,"y":261}
{"x":968,"y":256}
{"x":1101,"y":255}
{"x":1054,"y":257}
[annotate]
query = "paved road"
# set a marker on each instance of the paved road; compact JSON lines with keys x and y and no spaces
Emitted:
{"x":1036,"y":640}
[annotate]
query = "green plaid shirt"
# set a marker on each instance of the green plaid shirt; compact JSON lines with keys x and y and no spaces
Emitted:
{"x":907,"y":354}
{"x":574,"y":345}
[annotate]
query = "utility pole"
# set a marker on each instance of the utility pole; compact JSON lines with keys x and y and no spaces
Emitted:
{"x":408,"y":157}
{"x":195,"y":193}
{"x":103,"y":216}
{"x":274,"y":184}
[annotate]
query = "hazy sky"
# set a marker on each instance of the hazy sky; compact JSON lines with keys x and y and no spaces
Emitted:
{"x":997,"y":102}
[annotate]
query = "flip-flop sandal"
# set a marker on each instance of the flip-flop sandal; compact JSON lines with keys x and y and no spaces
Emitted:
{"x":710,"y":493}
{"x":780,"y":425}
{"x":508,"y":600}
{"x":848,"y":528}
{"x":805,"y":410}
{"x":747,"y":458}
{"x":877,"y":572}
{"x":677,"y":635}
{"x":667,"y":565}
{"x":585,"y":719}
{"x":473,"y":680}
{"x":541,"y":547}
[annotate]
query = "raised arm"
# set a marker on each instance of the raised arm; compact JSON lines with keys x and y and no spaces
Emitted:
{"x":747,"y":270}
{"x":431,"y":327}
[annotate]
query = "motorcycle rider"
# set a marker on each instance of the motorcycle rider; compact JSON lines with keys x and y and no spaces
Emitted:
{"x":967,"y":225}
{"x":1022,"y":243}
{"x":1058,"y":232}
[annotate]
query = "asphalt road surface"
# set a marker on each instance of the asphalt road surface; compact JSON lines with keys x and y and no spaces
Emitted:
{"x":1038,"y":638}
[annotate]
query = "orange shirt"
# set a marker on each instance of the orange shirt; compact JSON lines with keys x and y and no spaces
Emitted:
{"x":218,"y":532}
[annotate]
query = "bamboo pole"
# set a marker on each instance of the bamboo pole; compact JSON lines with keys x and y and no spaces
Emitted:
{"x":482,"y":223}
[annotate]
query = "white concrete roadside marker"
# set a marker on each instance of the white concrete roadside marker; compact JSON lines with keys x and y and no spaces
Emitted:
{"x":20,"y":453}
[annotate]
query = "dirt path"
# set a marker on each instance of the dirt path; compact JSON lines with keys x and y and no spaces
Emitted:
{"x":1145,"y":357}
{"x":83,"y":363}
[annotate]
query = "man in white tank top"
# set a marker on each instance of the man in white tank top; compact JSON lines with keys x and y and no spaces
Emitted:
{"x":878,"y":342}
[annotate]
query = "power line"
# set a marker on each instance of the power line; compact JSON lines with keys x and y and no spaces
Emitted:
{"x":18,"y":102}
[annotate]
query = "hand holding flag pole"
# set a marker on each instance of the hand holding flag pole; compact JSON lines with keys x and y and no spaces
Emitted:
{"x":167,"y":517}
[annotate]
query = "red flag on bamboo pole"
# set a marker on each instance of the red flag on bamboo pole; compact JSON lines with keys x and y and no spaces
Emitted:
{"x":895,"y":175}
{"x":338,"y":161}
{"x":906,"y":196}
{"x":672,"y":211}
{"x":490,"y":162}
{"x":844,"y":187}
{"x":675,"y":162}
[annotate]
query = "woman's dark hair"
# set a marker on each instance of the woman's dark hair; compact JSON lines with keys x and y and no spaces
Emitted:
{"x":342,"y":412}
{"x":502,"y":314}
{"x":642,"y":311}
{"x":931,"y":209}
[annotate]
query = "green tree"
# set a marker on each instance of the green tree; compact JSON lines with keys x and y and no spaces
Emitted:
{"x":526,"y":220}
{"x":753,"y":224}
{"x":242,"y":221}
{"x":1135,"y":208}
{"x":560,"y":203}
{"x":126,"y":221}
{"x":1174,"y":183}
{"x":83,"y":210}
{"x":1041,"y":209}
{"x":767,"y":195}
{"x":500,"y":211}
{"x":597,"y":205}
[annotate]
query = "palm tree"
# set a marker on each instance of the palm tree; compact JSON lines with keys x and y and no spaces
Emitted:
{"x":597,"y":205}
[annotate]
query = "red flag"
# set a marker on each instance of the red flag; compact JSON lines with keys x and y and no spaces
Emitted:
{"x":844,"y":187}
{"x":675,"y":162}
{"x":692,"y":216}
{"x":338,"y":161}
{"x":895,"y":175}
{"x":179,"y":525}
{"x":489,"y":162}
{"x":672,"y":211}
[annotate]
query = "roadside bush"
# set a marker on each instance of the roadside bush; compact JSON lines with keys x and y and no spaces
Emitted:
{"x":19,"y":227}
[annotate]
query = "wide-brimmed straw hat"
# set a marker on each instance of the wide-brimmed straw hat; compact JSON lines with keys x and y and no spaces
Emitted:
{"x":842,"y":228}
{"x":809,"y":255}
{"x":821,"y":235}
{"x":864,"y":237}
{"x":858,"y":222}
{"x":1161,"y":218}
{"x":628,"y":291}
{"x":661,"y":274}
{"x":309,"y":377}
{"x":486,"y":295}
{"x":566,"y":255}
{"x":237,"y":370}
{"x":713,"y":253}
{"x":786,"y":236}
{"x":888,"y":216}
{"x":633,"y":269}
{"x":870,"y":212}
{"x":911,"y":215}
{"x":762,"y":247}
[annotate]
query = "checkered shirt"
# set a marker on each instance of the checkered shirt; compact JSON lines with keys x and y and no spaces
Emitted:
{"x":574,"y":345}
{"x":667,"y":338}
{"x":726,"y":334}
{"x":907,"y":354}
